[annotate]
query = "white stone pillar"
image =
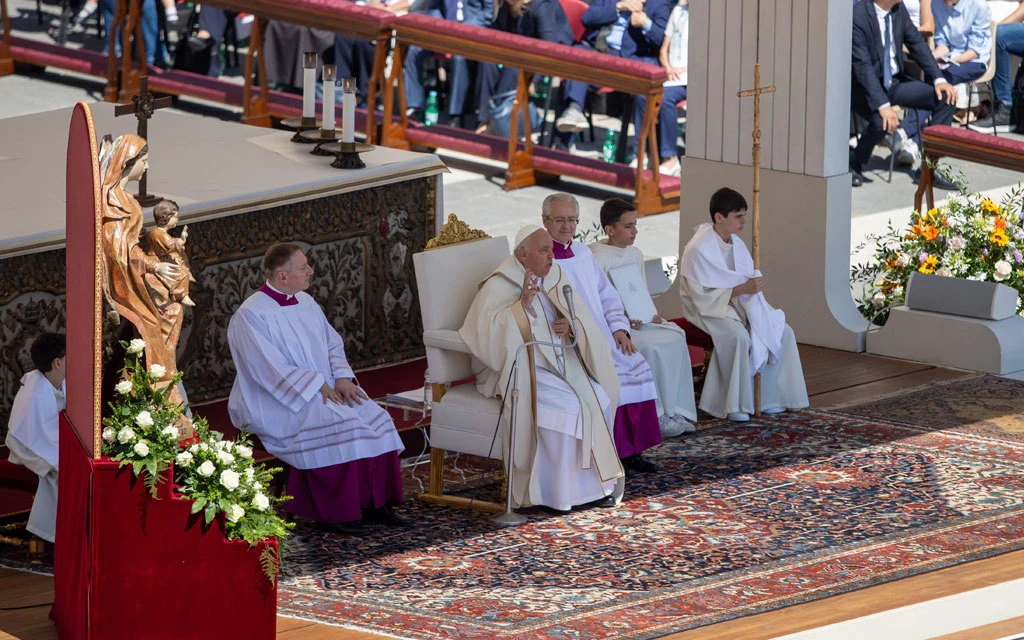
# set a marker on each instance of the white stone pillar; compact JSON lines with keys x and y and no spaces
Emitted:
{"x":805,"y":187}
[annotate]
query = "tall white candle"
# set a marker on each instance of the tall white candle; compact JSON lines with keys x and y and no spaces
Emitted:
{"x":309,"y":85}
{"x":348,"y":110}
{"x":330,"y":76}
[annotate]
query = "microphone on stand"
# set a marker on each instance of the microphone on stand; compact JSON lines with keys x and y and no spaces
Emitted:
{"x":567,"y":292}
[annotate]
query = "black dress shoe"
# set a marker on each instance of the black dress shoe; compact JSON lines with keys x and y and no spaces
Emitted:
{"x":938,"y":181}
{"x":356,"y":528}
{"x":859,"y":178}
{"x":386,"y":515}
{"x":606,"y":502}
{"x":639,"y":464}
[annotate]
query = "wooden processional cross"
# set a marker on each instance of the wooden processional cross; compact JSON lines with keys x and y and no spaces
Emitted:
{"x":756,"y":93}
{"x":143,"y":105}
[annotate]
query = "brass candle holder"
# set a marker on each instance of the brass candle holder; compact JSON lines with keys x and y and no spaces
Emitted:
{"x":300,"y":124}
{"x":347,"y":154}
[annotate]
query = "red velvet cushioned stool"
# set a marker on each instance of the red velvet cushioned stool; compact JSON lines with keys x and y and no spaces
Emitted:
{"x":14,"y":476}
{"x":698,"y":342}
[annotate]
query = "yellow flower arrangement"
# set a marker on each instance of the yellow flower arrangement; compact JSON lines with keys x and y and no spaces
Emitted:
{"x":969,"y":236}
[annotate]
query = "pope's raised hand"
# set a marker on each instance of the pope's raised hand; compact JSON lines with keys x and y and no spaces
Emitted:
{"x":530,"y":289}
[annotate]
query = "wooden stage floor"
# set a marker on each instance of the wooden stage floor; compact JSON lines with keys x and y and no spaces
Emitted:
{"x":833,"y":377}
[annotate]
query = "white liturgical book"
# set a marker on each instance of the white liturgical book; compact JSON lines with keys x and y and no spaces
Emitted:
{"x":629,"y":282}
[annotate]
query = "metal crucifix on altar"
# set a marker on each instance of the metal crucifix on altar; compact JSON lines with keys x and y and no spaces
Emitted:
{"x":143,"y":105}
{"x":755,"y":213}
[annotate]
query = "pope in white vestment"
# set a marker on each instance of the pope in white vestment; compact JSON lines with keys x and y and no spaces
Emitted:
{"x":721,"y":295}
{"x":636,"y":418}
{"x":564,"y":450}
{"x":296,"y":391}
{"x":661,"y":343}
{"x":33,"y":428}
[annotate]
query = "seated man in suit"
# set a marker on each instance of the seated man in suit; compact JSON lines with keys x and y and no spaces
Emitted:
{"x":625,"y":28}
{"x":472,"y":12}
{"x":881,"y":28}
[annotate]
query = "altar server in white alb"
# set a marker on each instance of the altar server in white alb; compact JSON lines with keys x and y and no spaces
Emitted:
{"x":297,"y":392}
{"x":661,"y":343}
{"x":33,"y":427}
{"x":721,"y":294}
{"x":636,"y":418}
{"x":564,"y":452}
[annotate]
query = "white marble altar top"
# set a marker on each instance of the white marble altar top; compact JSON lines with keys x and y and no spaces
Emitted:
{"x":209,"y":167}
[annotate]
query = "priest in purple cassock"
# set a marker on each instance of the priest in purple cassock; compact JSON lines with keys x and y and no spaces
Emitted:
{"x":636,"y":418}
{"x":296,"y":391}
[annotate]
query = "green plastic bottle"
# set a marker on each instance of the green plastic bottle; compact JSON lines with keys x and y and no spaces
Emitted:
{"x":430,"y":113}
{"x":608,"y":150}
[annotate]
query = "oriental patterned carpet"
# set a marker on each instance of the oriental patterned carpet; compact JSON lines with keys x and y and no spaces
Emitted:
{"x":981,"y":405}
{"x":740,"y":519}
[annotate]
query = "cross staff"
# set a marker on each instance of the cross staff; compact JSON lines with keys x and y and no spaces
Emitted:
{"x":143,"y":105}
{"x":756,"y":93}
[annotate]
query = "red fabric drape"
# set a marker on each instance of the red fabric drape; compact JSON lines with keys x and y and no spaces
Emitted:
{"x":129,"y":566}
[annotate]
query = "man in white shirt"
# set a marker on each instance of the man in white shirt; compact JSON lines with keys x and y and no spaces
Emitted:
{"x":721,"y":295}
{"x":33,"y":428}
{"x":297,"y":392}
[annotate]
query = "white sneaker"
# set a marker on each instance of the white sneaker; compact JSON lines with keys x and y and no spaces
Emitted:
{"x":572,"y":120}
{"x":670,"y":428}
{"x":908,"y":152}
{"x":738,"y":416}
{"x":773,"y":411}
{"x":688,"y":427}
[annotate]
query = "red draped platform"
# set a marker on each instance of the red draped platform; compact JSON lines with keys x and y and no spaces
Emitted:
{"x":130,"y":566}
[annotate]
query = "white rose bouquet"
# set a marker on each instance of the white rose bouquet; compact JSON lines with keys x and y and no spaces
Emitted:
{"x":141,"y":429}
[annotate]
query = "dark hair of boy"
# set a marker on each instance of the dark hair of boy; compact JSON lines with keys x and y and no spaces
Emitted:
{"x":726,"y":201}
{"x":45,"y":349}
{"x":613,"y":209}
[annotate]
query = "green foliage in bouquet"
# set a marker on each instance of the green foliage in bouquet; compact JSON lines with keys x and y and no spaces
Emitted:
{"x":220,"y":476}
{"x":971,"y":237}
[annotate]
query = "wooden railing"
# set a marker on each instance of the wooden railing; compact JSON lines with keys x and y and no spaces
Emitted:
{"x":530,"y":56}
{"x":653,"y":192}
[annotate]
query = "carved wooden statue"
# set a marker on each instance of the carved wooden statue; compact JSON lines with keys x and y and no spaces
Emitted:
{"x":136,"y":284}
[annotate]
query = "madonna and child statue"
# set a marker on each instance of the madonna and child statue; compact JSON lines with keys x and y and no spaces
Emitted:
{"x":141,"y":287}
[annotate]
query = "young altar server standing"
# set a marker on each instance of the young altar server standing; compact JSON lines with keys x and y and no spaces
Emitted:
{"x":636,"y":418}
{"x":297,"y":392}
{"x":661,"y":343}
{"x":721,"y":295}
{"x":33,"y":427}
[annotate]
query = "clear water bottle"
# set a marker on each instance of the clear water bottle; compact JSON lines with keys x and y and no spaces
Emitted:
{"x":430,"y":113}
{"x":608,"y":150}
{"x":428,"y":391}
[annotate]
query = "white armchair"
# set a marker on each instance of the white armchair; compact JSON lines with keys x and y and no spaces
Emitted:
{"x":462,"y":420}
